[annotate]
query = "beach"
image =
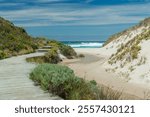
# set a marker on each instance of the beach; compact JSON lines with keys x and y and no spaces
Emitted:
{"x":92,"y":67}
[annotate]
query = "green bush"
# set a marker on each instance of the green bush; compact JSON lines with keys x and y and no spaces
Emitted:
{"x":81,"y":55}
{"x":14,"y":40}
{"x":50,"y":57}
{"x":67,"y":51}
{"x":2,"y":54}
{"x":64,"y":49}
{"x":17,"y":41}
{"x":61,"y":80}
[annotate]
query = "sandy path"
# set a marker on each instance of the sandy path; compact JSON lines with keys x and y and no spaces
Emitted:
{"x":96,"y":71}
{"x":15,"y":82}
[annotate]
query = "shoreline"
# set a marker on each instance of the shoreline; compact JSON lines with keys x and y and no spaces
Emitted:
{"x":95,"y":71}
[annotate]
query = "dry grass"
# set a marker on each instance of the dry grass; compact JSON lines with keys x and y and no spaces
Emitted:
{"x":130,"y":50}
{"x":106,"y":93}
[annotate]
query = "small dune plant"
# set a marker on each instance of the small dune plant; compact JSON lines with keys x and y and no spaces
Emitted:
{"x":81,"y":55}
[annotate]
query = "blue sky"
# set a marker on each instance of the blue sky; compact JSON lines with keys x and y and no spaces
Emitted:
{"x":72,"y":13}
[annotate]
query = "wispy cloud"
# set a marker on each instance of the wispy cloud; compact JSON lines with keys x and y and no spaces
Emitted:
{"x":68,"y":13}
{"x":88,"y":1}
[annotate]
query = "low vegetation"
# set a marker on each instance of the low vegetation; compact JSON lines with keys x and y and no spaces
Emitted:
{"x":64,"y":49}
{"x":130,"y":50}
{"x":61,"y":80}
{"x":50,"y":57}
{"x":14,"y":40}
{"x":81,"y":55}
{"x":145,"y":22}
{"x":57,"y":79}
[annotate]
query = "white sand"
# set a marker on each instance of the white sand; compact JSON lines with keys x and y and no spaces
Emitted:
{"x":96,"y":71}
{"x":141,"y":71}
{"x":112,"y":47}
{"x":141,"y":74}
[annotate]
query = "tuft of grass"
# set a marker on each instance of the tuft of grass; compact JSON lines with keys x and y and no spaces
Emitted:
{"x":106,"y":93}
{"x":61,"y":80}
{"x":37,"y":59}
{"x":141,"y":61}
{"x":131,"y":68}
{"x":81,"y":55}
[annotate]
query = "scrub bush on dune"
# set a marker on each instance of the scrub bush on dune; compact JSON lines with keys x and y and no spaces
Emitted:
{"x":61,"y":80}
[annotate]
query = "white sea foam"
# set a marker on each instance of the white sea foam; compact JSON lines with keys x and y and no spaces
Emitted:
{"x":86,"y":45}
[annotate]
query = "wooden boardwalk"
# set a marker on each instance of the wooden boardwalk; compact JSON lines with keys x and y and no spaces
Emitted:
{"x":15,"y":83}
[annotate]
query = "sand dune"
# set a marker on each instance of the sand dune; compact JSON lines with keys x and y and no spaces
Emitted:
{"x":96,"y":71}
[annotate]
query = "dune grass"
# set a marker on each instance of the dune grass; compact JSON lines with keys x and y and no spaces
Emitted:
{"x":145,"y":23}
{"x":130,"y":50}
{"x":61,"y":80}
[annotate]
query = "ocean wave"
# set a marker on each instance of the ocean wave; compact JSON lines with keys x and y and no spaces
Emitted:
{"x":86,"y":45}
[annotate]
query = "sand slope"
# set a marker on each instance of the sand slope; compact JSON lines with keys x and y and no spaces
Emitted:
{"x":133,"y":70}
{"x":96,"y":71}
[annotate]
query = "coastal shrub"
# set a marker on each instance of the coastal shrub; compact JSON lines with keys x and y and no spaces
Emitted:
{"x":81,"y":55}
{"x":50,"y":57}
{"x":17,"y":41}
{"x":14,"y":40}
{"x":66,"y":50}
{"x":2,"y":54}
{"x":61,"y":80}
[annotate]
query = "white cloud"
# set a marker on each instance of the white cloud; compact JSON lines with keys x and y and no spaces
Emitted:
{"x":8,"y":4}
{"x":77,"y":15}
{"x":88,"y":1}
{"x":50,"y":1}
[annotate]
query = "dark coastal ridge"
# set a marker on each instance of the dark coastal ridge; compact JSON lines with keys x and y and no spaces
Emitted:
{"x":15,"y":41}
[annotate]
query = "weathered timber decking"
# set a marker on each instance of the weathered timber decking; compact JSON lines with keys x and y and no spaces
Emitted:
{"x":15,"y":82}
